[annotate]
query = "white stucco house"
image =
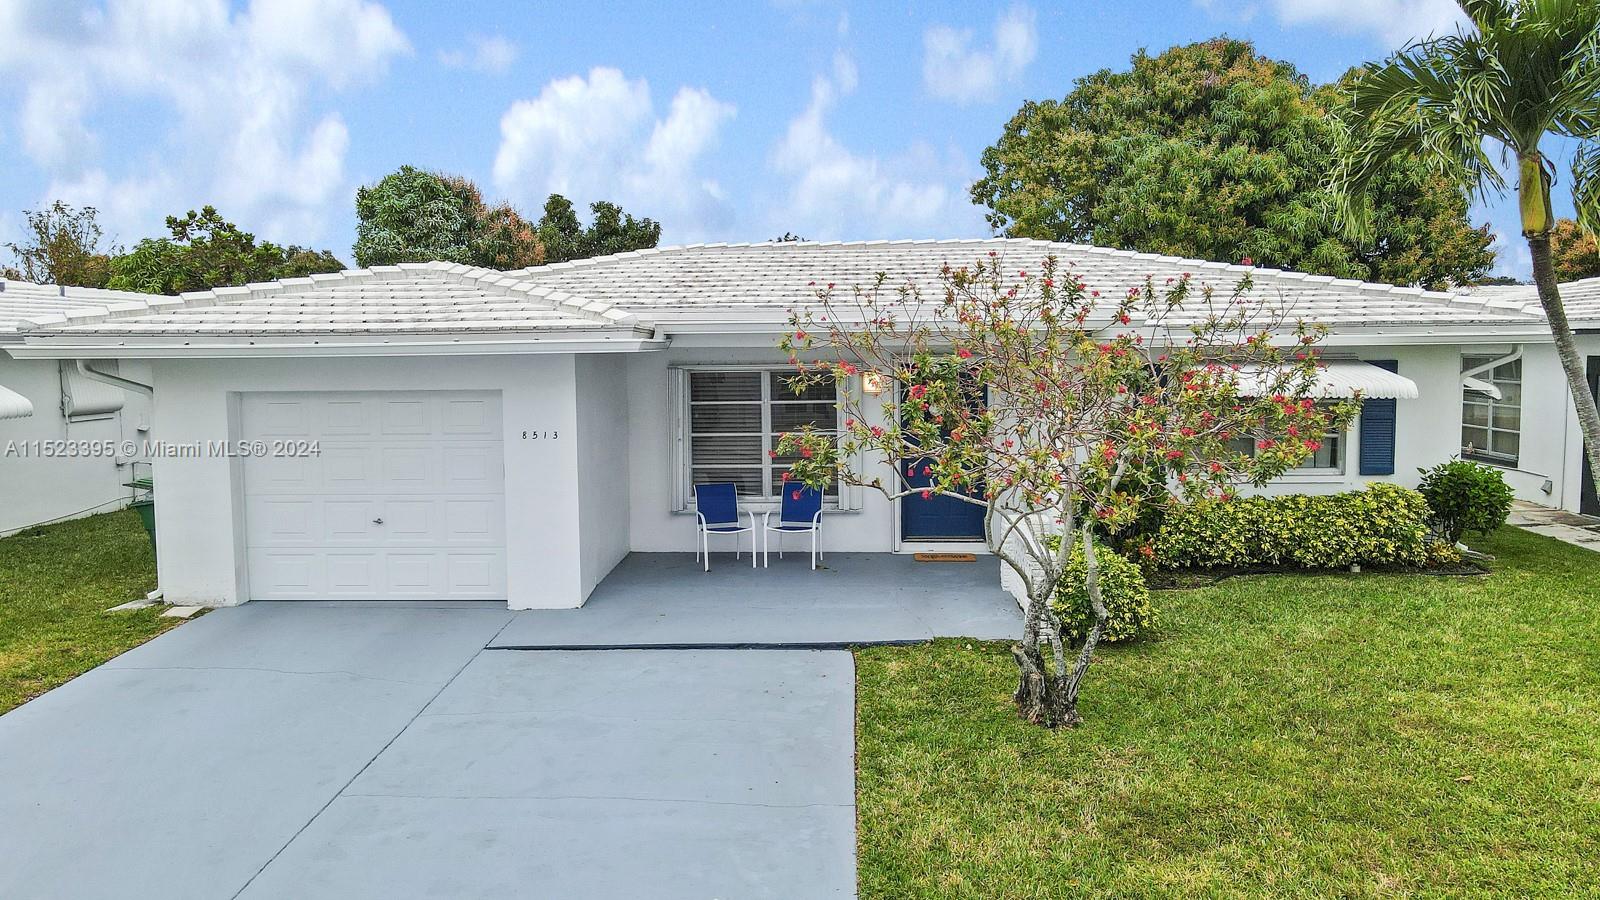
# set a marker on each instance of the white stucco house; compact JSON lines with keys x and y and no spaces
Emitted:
{"x":68,"y":438}
{"x":434,"y":431}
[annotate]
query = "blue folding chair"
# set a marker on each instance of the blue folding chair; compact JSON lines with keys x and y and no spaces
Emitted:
{"x":800,"y":513}
{"x":717,"y":507}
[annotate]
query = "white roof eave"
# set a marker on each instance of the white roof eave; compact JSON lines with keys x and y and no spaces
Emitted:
{"x":229,"y":346}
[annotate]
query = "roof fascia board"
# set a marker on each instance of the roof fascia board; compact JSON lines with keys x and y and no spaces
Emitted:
{"x":226,"y":350}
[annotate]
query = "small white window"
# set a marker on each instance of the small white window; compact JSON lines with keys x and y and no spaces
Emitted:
{"x":733,"y":423}
{"x":1328,"y":458}
{"x":1491,"y":427}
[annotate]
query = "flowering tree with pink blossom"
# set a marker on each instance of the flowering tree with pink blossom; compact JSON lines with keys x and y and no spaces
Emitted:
{"x":1061,"y":413}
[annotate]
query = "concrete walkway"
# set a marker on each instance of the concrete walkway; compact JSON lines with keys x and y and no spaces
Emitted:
{"x":343,"y":750}
{"x":1580,"y":531}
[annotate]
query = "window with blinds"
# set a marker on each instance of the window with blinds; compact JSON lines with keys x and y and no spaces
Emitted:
{"x":735,"y":418}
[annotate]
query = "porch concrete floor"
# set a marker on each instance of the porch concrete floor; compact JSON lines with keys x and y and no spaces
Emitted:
{"x":658,"y":600}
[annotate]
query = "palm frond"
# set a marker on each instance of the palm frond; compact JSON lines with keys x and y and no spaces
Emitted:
{"x":1586,"y":186}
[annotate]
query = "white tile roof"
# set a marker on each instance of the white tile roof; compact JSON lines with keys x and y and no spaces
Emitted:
{"x":20,"y":300}
{"x":699,"y":287}
{"x":710,"y":283}
{"x":411,"y":298}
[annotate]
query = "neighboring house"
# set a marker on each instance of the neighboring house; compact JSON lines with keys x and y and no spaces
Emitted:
{"x":65,"y":437}
{"x":437,"y":431}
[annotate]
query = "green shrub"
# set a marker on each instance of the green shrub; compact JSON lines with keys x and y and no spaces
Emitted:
{"x":1122,"y":589}
{"x":1382,"y":525}
{"x":1465,"y":498}
{"x":1443,"y":553}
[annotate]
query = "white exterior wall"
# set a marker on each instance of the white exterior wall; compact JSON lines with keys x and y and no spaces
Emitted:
{"x":603,"y":470}
{"x":657,"y":527}
{"x":34,"y":489}
{"x":1427,"y":430}
{"x":200,"y":539}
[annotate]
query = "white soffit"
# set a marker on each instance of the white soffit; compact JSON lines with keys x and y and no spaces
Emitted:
{"x":13,"y":405}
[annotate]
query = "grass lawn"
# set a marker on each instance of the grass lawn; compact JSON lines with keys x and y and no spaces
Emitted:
{"x":1308,"y":736}
{"x":55,"y":585}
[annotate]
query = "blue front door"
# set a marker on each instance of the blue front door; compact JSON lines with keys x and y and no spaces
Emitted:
{"x":938,"y":518}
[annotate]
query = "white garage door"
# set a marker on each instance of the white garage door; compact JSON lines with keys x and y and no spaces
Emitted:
{"x":404,"y":499}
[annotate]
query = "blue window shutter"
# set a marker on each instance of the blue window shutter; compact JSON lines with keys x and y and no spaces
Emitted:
{"x":1377,"y":429}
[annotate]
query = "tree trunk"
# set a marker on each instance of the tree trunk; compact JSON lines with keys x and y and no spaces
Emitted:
{"x":1544,"y":276}
{"x":1041,"y":691}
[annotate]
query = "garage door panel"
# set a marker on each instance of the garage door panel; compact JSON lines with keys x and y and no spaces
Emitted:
{"x":474,"y":521}
{"x":349,"y":468}
{"x":280,"y":474}
{"x":474,"y":575}
{"x":276,"y":416}
{"x":472,"y":468}
{"x":349,"y":521}
{"x":470,"y":416}
{"x":286,"y":574}
{"x":352,"y":574}
{"x":411,"y":469}
{"x":405,"y":499}
{"x":277,"y":521}
{"x":408,"y":417}
{"x":348,"y":417}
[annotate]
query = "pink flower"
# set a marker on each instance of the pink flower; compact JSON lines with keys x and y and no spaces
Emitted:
{"x":919,"y":391}
{"x":849,"y":423}
{"x":772,"y":454}
{"x":927,"y":470}
{"x":786,"y":476}
{"x":1313,"y":446}
{"x":799,"y":335}
{"x":794,"y":495}
{"x":964,"y":353}
{"x":1247,"y":261}
{"x":927,"y":495}
{"x":806,"y":452}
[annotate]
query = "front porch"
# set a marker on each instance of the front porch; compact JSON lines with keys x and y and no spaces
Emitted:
{"x":666,"y":600}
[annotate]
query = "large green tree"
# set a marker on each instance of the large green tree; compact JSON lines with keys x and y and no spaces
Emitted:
{"x":62,"y":247}
{"x":413,"y":215}
{"x":1522,"y":70}
{"x":205,"y":250}
{"x":1214,"y":151}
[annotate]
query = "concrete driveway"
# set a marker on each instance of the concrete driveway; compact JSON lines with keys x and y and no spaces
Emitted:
{"x":344,"y":751}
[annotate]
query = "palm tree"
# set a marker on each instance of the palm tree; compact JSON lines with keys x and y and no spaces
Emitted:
{"x":1523,"y":70}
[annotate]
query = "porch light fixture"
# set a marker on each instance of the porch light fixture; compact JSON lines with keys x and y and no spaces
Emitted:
{"x":873,"y":383}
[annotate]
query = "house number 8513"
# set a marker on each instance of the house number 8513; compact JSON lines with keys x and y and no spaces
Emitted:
{"x":539,"y":435}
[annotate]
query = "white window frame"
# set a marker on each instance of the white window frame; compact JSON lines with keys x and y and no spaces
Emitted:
{"x":849,"y":496}
{"x":1486,"y":371}
{"x":1316,"y":473}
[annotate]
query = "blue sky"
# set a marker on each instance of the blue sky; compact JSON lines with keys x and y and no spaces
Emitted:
{"x":735,"y":121}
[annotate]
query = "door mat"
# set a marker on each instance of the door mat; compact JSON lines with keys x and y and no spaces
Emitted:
{"x":945,"y":557}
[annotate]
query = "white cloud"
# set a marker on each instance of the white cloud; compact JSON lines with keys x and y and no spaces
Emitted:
{"x":492,"y":55}
{"x":598,"y":137}
{"x":833,"y":192}
{"x":1394,"y":21}
{"x":953,"y":69}
{"x":237,"y":81}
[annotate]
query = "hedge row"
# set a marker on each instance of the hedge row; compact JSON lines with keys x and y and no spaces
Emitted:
{"x":1383,"y":525}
